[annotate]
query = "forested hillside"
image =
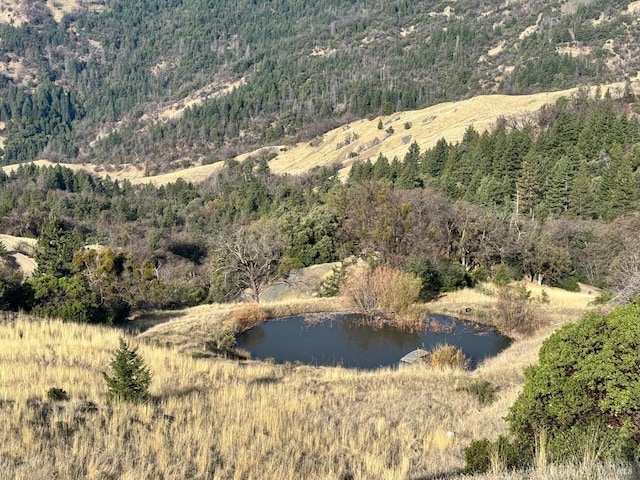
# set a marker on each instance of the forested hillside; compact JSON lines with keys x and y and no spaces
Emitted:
{"x":147,"y":81}
{"x":555,"y":201}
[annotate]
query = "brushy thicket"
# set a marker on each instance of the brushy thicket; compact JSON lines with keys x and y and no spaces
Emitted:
{"x":383,"y":292}
{"x":580,"y":400}
{"x":483,"y":390}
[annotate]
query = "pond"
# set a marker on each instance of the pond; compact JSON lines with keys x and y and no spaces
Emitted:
{"x":345,"y":340}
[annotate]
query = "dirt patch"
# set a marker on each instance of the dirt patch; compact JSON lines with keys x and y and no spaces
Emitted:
{"x":302,"y":283}
{"x":19,"y":253}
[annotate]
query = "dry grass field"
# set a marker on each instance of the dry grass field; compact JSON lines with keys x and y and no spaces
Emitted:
{"x":225,"y":419}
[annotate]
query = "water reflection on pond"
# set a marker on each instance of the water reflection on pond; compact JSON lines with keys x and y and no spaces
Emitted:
{"x":345,"y":340}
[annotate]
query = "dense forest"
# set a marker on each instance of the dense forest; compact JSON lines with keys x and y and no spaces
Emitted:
{"x":554,"y":201}
{"x":91,"y":86}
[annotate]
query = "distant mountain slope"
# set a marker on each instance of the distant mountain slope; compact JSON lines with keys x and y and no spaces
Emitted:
{"x":363,"y":139}
{"x":165,"y":83}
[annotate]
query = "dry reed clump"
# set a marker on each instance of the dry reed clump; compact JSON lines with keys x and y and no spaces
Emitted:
{"x":382,"y":292}
{"x":248,"y":316}
{"x":448,"y":356}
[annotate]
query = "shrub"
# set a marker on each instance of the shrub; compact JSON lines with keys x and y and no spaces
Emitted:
{"x":381,"y":291}
{"x":221,"y":342}
{"x":331,"y":285}
{"x":453,"y":276}
{"x":428,"y":274}
{"x":544,"y":297}
{"x":502,"y":277}
{"x":248,"y":316}
{"x":448,"y":356}
{"x":131,"y":377}
{"x":477,"y":456}
{"x":483,"y":455}
{"x":569,"y":283}
{"x":480,"y":274}
{"x":604,"y":298}
{"x":483,"y":390}
{"x":515,"y":314}
{"x":585,"y":388}
{"x":57,"y":394}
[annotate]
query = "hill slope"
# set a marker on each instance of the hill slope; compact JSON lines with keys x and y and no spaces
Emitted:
{"x":362,"y":139}
{"x":164,"y":82}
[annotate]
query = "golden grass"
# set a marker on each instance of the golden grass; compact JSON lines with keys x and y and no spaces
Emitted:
{"x":478,"y":303}
{"x":220,"y":419}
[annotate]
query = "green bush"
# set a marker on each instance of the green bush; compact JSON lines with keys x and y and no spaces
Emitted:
{"x":502,"y":277}
{"x":604,"y":298}
{"x":453,"y":276}
{"x":331,"y":284}
{"x":585,"y":387}
{"x":477,"y":456}
{"x":221,"y":342}
{"x":131,"y":377}
{"x":428,"y":274}
{"x":569,"y":283}
{"x":480,"y":274}
{"x":482,"y":455}
{"x":483,"y":390}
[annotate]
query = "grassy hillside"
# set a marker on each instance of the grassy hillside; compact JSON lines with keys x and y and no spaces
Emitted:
{"x":220,"y":419}
{"x":363,"y":139}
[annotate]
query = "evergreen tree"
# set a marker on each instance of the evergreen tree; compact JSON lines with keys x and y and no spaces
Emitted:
{"x":409,"y":177}
{"x":559,"y":187}
{"x":530,"y":185}
{"x":434,"y":159}
{"x":131,"y":376}
{"x":381,"y":169}
{"x":55,"y":248}
{"x":59,"y":290}
{"x":582,"y":200}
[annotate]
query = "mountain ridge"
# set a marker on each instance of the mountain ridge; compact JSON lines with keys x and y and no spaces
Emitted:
{"x":448,"y":120}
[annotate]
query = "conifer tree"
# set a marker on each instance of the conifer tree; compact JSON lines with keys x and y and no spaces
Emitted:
{"x":131,"y":376}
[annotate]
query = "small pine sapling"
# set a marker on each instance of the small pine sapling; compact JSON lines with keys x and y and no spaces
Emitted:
{"x":131,"y":377}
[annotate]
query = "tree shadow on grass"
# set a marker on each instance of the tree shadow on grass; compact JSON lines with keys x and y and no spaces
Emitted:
{"x":176,"y":393}
{"x":143,"y":322}
{"x":441,"y":476}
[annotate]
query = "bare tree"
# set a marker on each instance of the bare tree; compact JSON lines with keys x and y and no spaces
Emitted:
{"x":625,"y":275}
{"x":247,"y":260}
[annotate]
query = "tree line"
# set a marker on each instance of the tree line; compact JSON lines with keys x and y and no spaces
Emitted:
{"x":182,"y":244}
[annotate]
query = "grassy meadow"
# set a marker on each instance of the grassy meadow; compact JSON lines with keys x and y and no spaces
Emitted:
{"x":224,"y":419}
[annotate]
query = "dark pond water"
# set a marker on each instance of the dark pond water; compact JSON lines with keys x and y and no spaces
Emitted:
{"x":345,"y":340}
